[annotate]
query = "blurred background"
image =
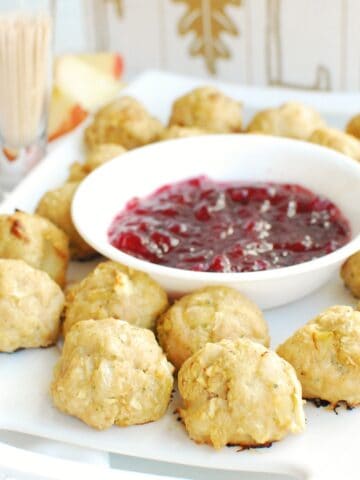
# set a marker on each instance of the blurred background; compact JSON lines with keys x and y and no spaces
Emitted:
{"x":307,"y":44}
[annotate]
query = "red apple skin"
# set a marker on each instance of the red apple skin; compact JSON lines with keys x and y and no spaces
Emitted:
{"x":75,"y":117}
{"x":118,"y":66}
{"x":9,"y":154}
{"x":110,"y":63}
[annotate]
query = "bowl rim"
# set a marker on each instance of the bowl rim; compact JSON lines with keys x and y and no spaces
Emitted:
{"x":112,"y":253}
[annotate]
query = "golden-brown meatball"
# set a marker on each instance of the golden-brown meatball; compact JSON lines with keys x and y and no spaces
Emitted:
{"x":326,"y":356}
{"x":37,"y":241}
{"x":350,"y":273}
{"x":208,"y":109}
{"x":208,"y":315}
{"x":353,"y":127}
{"x":181,"y":132}
{"x":292,"y":120}
{"x":239,"y":393}
{"x":30,"y":307}
{"x":113,"y":290}
{"x":96,"y":157}
{"x":125,"y":122}
{"x":56,"y":206}
{"x":337,"y":140}
{"x":112,"y":373}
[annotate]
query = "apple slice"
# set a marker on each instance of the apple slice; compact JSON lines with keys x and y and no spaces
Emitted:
{"x":10,"y":154}
{"x":109,"y":63}
{"x":86,"y":85}
{"x":65,"y":114}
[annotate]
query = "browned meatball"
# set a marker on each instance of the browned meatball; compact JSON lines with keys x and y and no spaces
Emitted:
{"x":350,"y":273}
{"x":37,"y":241}
{"x":56,"y":206}
{"x":30,"y":307}
{"x":112,"y":373}
{"x":353,"y":127}
{"x":96,"y":157}
{"x":208,"y":109}
{"x":238,"y":392}
{"x":326,"y":355}
{"x":124,"y":122}
{"x":208,"y":315}
{"x":114,"y":290}
{"x":337,"y":140}
{"x":292,"y":120}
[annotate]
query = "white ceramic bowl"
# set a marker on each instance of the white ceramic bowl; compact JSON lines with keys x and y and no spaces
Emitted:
{"x":223,"y":157}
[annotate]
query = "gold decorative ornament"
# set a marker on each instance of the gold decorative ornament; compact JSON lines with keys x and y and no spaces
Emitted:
{"x":275,"y":56}
{"x":118,"y":4}
{"x":208,"y":20}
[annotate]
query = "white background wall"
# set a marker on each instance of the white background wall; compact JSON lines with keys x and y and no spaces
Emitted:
{"x":305,"y":44}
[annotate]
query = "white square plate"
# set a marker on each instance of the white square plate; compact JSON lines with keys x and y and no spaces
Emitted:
{"x":328,"y":448}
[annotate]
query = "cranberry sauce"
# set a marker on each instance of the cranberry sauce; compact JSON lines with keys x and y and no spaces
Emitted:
{"x":203,"y":225}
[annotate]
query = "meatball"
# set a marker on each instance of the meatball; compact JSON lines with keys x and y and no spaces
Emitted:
{"x":181,"y":132}
{"x":208,"y":315}
{"x":112,"y":373}
{"x":209,"y":109}
{"x":125,"y":122}
{"x":239,"y":393}
{"x":30,"y":307}
{"x":337,"y":140}
{"x":56,"y":206}
{"x":37,"y":241}
{"x":326,"y":356}
{"x":96,"y":157}
{"x":353,"y":127}
{"x":292,"y":120}
{"x":113,"y":290}
{"x":350,"y":273}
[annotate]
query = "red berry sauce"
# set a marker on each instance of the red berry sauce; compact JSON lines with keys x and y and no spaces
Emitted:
{"x":209,"y":226}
